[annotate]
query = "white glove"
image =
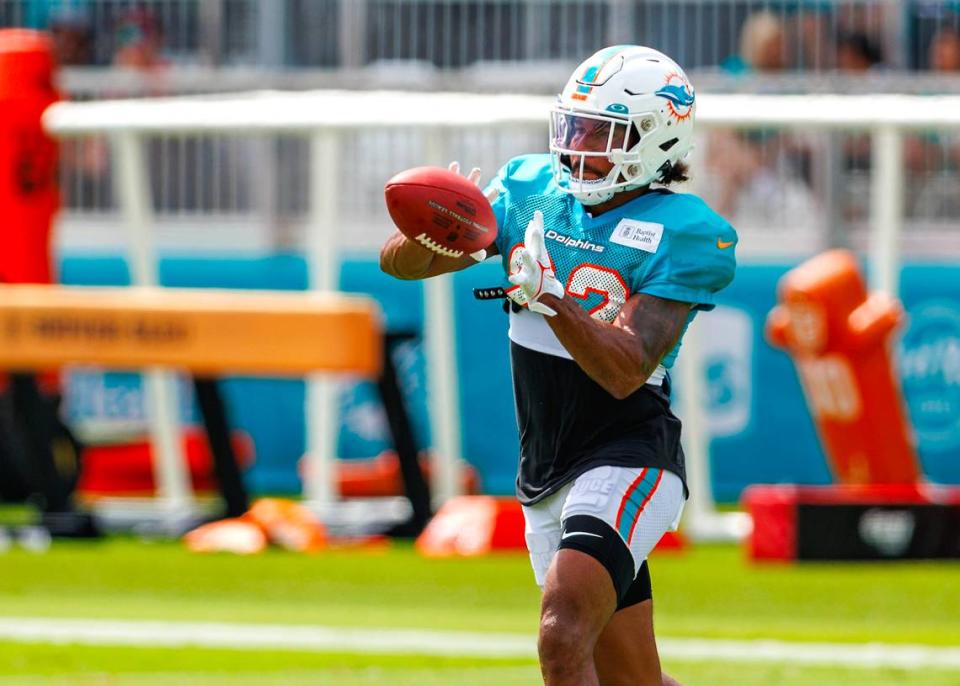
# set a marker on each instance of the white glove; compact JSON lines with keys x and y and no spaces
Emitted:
{"x":536,"y":275}
{"x":490,"y":195}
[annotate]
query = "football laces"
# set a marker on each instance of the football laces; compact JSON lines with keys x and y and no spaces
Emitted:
{"x":431,"y":244}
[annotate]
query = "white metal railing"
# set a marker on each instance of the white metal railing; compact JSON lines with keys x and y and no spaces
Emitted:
{"x":252,"y":192}
{"x":327,"y":117}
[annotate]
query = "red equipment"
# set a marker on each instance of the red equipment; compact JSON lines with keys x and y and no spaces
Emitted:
{"x":881,"y":522}
{"x":29,"y":197}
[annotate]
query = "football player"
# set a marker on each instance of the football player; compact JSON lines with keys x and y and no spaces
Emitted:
{"x":605,"y":268}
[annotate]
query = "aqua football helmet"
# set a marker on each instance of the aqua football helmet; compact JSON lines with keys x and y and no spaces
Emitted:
{"x":629,"y":104}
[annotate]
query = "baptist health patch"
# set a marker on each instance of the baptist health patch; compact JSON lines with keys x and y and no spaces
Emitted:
{"x":640,"y":235}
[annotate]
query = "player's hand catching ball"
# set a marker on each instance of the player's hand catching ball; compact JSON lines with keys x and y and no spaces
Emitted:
{"x":536,"y":276}
{"x":490,"y":195}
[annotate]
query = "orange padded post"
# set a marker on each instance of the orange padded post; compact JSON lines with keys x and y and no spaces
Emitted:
{"x":203,"y":330}
{"x":837,"y":335}
{"x":472,"y":525}
{"x":29,"y":197}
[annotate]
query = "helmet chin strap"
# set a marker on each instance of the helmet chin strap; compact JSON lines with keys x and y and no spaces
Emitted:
{"x":594,"y":197}
{"x":602,"y":195}
{"x":587,"y":198}
{"x":627,"y":171}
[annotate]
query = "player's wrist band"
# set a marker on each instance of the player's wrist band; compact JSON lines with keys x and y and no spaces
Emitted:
{"x":494,"y":293}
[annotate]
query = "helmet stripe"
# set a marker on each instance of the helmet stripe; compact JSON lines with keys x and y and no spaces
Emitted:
{"x":591,"y":73}
{"x":604,"y":58}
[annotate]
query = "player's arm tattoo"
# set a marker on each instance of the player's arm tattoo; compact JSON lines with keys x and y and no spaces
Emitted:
{"x":620,"y":356}
{"x":656,"y":323}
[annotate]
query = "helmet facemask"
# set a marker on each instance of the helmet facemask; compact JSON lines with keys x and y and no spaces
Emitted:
{"x":577,"y":139}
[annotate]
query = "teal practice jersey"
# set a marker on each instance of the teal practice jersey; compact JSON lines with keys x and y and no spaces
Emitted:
{"x":670,"y":245}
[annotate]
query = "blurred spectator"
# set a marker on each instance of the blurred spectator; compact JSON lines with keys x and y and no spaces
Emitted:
{"x":944,"y":51}
{"x":763,"y":45}
{"x":138,"y":49}
{"x":933,"y":158}
{"x":856,"y":51}
{"x":72,"y":35}
{"x":139,"y":41}
{"x":83,"y":161}
{"x":40,"y":14}
{"x":757,"y":180}
{"x":756,"y":173}
{"x":815,"y":51}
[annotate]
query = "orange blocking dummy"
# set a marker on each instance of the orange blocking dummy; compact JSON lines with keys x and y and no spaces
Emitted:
{"x":838,"y":337}
{"x":28,"y":156}
{"x":473,"y":525}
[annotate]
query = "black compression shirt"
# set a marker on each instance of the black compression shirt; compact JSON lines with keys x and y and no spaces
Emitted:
{"x":569,"y":424}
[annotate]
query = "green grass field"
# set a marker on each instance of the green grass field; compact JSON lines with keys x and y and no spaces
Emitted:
{"x":707,"y":592}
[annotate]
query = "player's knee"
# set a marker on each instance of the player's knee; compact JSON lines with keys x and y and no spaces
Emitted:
{"x":565,"y":642}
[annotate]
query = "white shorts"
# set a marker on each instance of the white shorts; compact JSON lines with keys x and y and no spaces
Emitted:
{"x":639,"y":503}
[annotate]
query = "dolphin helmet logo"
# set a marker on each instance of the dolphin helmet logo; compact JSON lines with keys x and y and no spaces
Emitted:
{"x":679,"y":96}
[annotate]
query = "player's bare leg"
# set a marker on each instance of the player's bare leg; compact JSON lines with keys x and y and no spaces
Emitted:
{"x":578,"y":601}
{"x":626,"y":652}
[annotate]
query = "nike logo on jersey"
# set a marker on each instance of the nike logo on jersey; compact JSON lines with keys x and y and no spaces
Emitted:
{"x":723,"y":244}
{"x":571,"y":534}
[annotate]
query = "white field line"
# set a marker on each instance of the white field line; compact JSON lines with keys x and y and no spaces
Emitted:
{"x":462,"y":644}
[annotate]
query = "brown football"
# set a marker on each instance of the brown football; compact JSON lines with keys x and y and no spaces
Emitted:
{"x":441,"y":209}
